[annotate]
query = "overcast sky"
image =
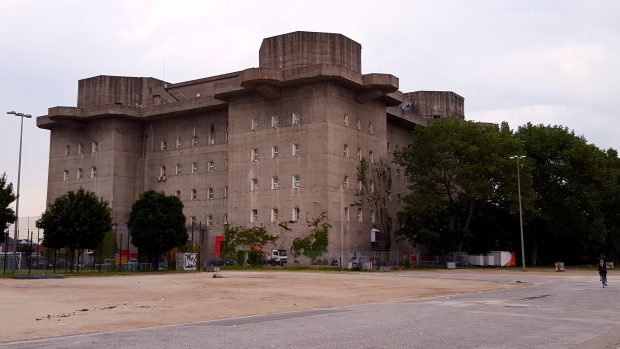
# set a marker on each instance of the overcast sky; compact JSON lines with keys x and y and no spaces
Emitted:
{"x":549,"y":62}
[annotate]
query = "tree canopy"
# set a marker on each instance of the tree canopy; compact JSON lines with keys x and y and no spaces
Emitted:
{"x":239,"y":240}
{"x":464,"y":191}
{"x":463,"y":186}
{"x":157,"y":224}
{"x":7,"y":215}
{"x":76,"y":220}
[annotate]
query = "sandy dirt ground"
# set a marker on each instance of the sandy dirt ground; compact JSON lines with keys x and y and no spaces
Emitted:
{"x":55,"y":307}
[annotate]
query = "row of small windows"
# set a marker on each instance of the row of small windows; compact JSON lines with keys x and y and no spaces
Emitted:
{"x":371,"y":127}
{"x":275,"y":215}
{"x":210,"y":221}
{"x":178,"y":169}
{"x":195,"y":141}
{"x":94,"y":148}
{"x":275,"y":121}
{"x":79,"y":174}
{"x":358,"y":154}
{"x":193,"y":196}
{"x":275,"y":152}
{"x":295,"y":214}
{"x":275,"y":183}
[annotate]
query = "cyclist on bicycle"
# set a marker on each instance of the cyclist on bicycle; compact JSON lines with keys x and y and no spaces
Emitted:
{"x":602,"y":271}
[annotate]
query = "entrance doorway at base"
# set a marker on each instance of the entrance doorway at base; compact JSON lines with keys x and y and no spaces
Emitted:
{"x":218,"y":246}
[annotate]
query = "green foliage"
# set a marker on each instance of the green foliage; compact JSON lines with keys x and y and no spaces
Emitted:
{"x":314,"y":245}
{"x":157,"y":223}
{"x":460,"y":174}
{"x":464,"y":191}
{"x":576,"y":209}
{"x":7,"y":215}
{"x":76,"y":220}
{"x":241,"y":239}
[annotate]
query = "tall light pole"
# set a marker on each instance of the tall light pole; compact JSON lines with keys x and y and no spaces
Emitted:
{"x":519,"y":157}
{"x":19,"y":169}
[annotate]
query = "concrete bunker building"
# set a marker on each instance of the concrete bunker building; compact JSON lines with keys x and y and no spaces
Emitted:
{"x":280,"y":143}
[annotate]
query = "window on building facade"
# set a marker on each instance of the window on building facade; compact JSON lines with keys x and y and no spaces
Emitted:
{"x":274,"y":215}
{"x":193,"y":195}
{"x":93,"y":172}
{"x":295,"y":214}
{"x":254,"y":124}
{"x":275,"y":183}
{"x":194,"y":138}
{"x":177,"y":169}
{"x":345,"y":151}
{"x":372,"y":216}
{"x":179,"y":143}
{"x":359,"y":125}
{"x":209,"y":220}
{"x":194,"y":167}
{"x":67,"y":150}
{"x":94,"y":147}
{"x":163,"y":145}
{"x":275,"y":121}
{"x":359,"y":186}
{"x":345,"y":183}
{"x":371,"y":128}
{"x":210,"y":193}
{"x":346,"y":120}
{"x":346,"y":214}
{"x":226,"y":136}
{"x":371,"y":155}
{"x":177,"y":193}
{"x":254,"y":154}
{"x":162,"y":172}
{"x":225,"y":218}
{"x":225,"y":164}
{"x":226,"y":192}
{"x":65,"y":175}
{"x":80,"y":149}
{"x":359,"y":215}
{"x":371,"y":188}
{"x":211,"y":166}
{"x":296,"y":181}
{"x":212,"y":134}
{"x":192,"y":221}
{"x":296,"y":119}
{"x":254,"y":215}
{"x":297,"y":150}
{"x":79,"y":173}
{"x":275,"y":151}
{"x":254,"y":184}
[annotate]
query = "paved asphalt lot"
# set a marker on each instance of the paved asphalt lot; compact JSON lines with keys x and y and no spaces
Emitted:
{"x":557,"y":311}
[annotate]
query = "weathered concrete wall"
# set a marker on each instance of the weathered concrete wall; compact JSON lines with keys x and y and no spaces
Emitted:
{"x":306,"y":48}
{"x":128,"y":91}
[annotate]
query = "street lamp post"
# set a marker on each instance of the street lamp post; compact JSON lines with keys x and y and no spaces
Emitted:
{"x":519,"y":157}
{"x":19,"y":168}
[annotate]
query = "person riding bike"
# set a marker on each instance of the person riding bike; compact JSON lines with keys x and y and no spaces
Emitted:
{"x":602,"y":271}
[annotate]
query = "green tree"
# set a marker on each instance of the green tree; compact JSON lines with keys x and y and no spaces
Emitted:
{"x":240,"y":240}
{"x":76,"y":220}
{"x":313,"y":245}
{"x":463,"y":186}
{"x":157,"y":224}
{"x":7,"y":215}
{"x":572,"y":180}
